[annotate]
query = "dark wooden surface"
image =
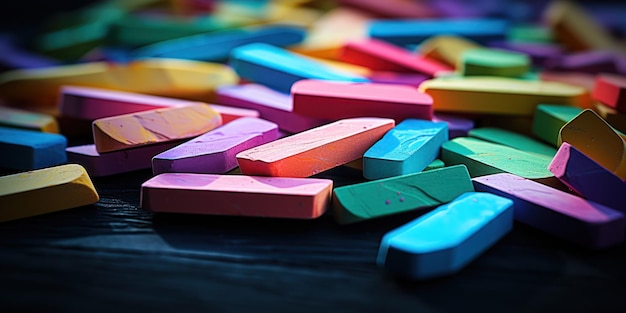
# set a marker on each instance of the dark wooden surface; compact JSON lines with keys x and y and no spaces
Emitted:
{"x":115,"y":256}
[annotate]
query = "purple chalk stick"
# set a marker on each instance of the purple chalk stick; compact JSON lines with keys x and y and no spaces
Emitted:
{"x":14,"y":57}
{"x":556,"y":212}
{"x":539,"y":53}
{"x":393,"y":78}
{"x":273,"y":105}
{"x":457,"y":126}
{"x":116,"y":162}
{"x":596,"y":61}
{"x":588,"y":178}
{"x":214,"y":152}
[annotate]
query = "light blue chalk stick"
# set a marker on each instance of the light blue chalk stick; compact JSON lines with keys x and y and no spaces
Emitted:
{"x":278,"y":68}
{"x":414,"y":31}
{"x":407,"y":148}
{"x":29,"y":150}
{"x":445,"y":240}
{"x":216,"y":46}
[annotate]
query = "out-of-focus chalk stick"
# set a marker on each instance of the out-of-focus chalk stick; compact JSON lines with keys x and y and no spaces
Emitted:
{"x":616,"y":119}
{"x":445,"y":240}
{"x":513,"y":140}
{"x":580,"y":79}
{"x":316,"y":150}
{"x":230,"y":114}
{"x":499,"y":95}
{"x":336,"y":100}
{"x":446,"y":49}
{"x":279,"y":69}
{"x":239,"y":195}
{"x":556,"y":212}
{"x":272,"y":105}
{"x":216,"y":46}
{"x":594,"y":137}
{"x":407,"y":148}
{"x":368,"y":200}
{"x":149,"y":127}
{"x":394,"y":8}
{"x":588,"y":178}
{"x":539,"y":53}
{"x":395,"y":78}
{"x":592,"y":62}
{"x":493,"y":62}
{"x":611,"y":91}
{"x":116,"y":162}
{"x":15,"y":57}
{"x":484,"y":158}
{"x":549,"y":119}
{"x":28,"y":149}
{"x":382,"y":56}
{"x":44,"y":191}
{"x":414,"y":31}
{"x":214,"y":152}
{"x":457,"y":126}
{"x":16,"y":118}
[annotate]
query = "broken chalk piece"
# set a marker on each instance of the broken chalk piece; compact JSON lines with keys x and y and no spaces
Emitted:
{"x":493,"y":62}
{"x":549,"y":119}
{"x":556,"y":212}
{"x":316,"y":150}
{"x":373,"y":199}
{"x":16,"y":118}
{"x":407,"y":148}
{"x":28,"y":149}
{"x":149,"y":127}
{"x":513,"y":140}
{"x":45,"y":190}
{"x":611,"y":91}
{"x":238,"y":195}
{"x":588,"y":178}
{"x":445,"y":240}
{"x":336,"y":100}
{"x":214,"y":152}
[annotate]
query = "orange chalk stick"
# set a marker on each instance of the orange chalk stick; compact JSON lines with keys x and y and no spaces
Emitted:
{"x":313,"y":151}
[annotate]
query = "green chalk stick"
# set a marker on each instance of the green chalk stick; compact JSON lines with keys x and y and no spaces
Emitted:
{"x":436,"y":164}
{"x":493,"y":62}
{"x":485,"y":158}
{"x":398,"y":194}
{"x":530,"y":34}
{"x":549,"y":119}
{"x":513,"y":140}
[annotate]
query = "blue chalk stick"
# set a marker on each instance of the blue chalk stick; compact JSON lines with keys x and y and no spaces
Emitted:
{"x":279,"y":69}
{"x":216,"y":46}
{"x":414,"y":31}
{"x":29,"y":150}
{"x":407,"y":148}
{"x":444,"y":240}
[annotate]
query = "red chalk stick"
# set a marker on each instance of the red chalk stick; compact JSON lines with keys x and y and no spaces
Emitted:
{"x":279,"y":197}
{"x":336,"y":100}
{"x":313,"y":151}
{"x":611,"y":91}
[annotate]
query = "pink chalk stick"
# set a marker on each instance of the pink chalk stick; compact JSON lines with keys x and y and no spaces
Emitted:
{"x":297,"y":198}
{"x":556,"y":212}
{"x":337,"y":100}
{"x":611,"y":91}
{"x":588,"y":178}
{"x":382,"y":56}
{"x":273,"y":106}
{"x":230,"y":114}
{"x":214,"y":152}
{"x":115,"y":162}
{"x":457,"y":126}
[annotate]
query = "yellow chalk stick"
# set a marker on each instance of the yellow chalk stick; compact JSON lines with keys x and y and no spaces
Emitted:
{"x":447,"y":49}
{"x":17,"y":118}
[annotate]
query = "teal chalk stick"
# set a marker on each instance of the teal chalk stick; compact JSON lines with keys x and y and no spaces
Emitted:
{"x":29,"y":150}
{"x":513,"y":140}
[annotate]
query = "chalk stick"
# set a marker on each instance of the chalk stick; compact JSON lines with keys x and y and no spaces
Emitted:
{"x":192,"y":80}
{"x":594,"y":137}
{"x":336,"y":100}
{"x":445,"y":240}
{"x":395,"y":78}
{"x":616,"y":119}
{"x":394,"y":8}
{"x":316,"y":150}
{"x":611,"y":91}
{"x":28,"y":150}
{"x":216,"y":46}
{"x":513,"y":140}
{"x":44,"y":191}
{"x":591,"y":62}
{"x":539,"y":53}
{"x":446,"y":49}
{"x":556,"y":212}
{"x":214,"y":152}
{"x":457,"y":126}
{"x":588,"y":178}
{"x":382,"y":56}
{"x":484,"y":158}
{"x":230,"y":114}
{"x":414,"y":31}
{"x":237,"y":195}
{"x":417,"y":191}
{"x":493,"y":62}
{"x":272,"y":105}
{"x":580,"y":79}
{"x":279,"y":69}
{"x":116,"y":162}
{"x":499,"y":95}
{"x":16,"y":118}
{"x":15,"y":57}
{"x":407,"y":148}
{"x":149,"y":127}
{"x":549,"y":119}
{"x":530,"y":33}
